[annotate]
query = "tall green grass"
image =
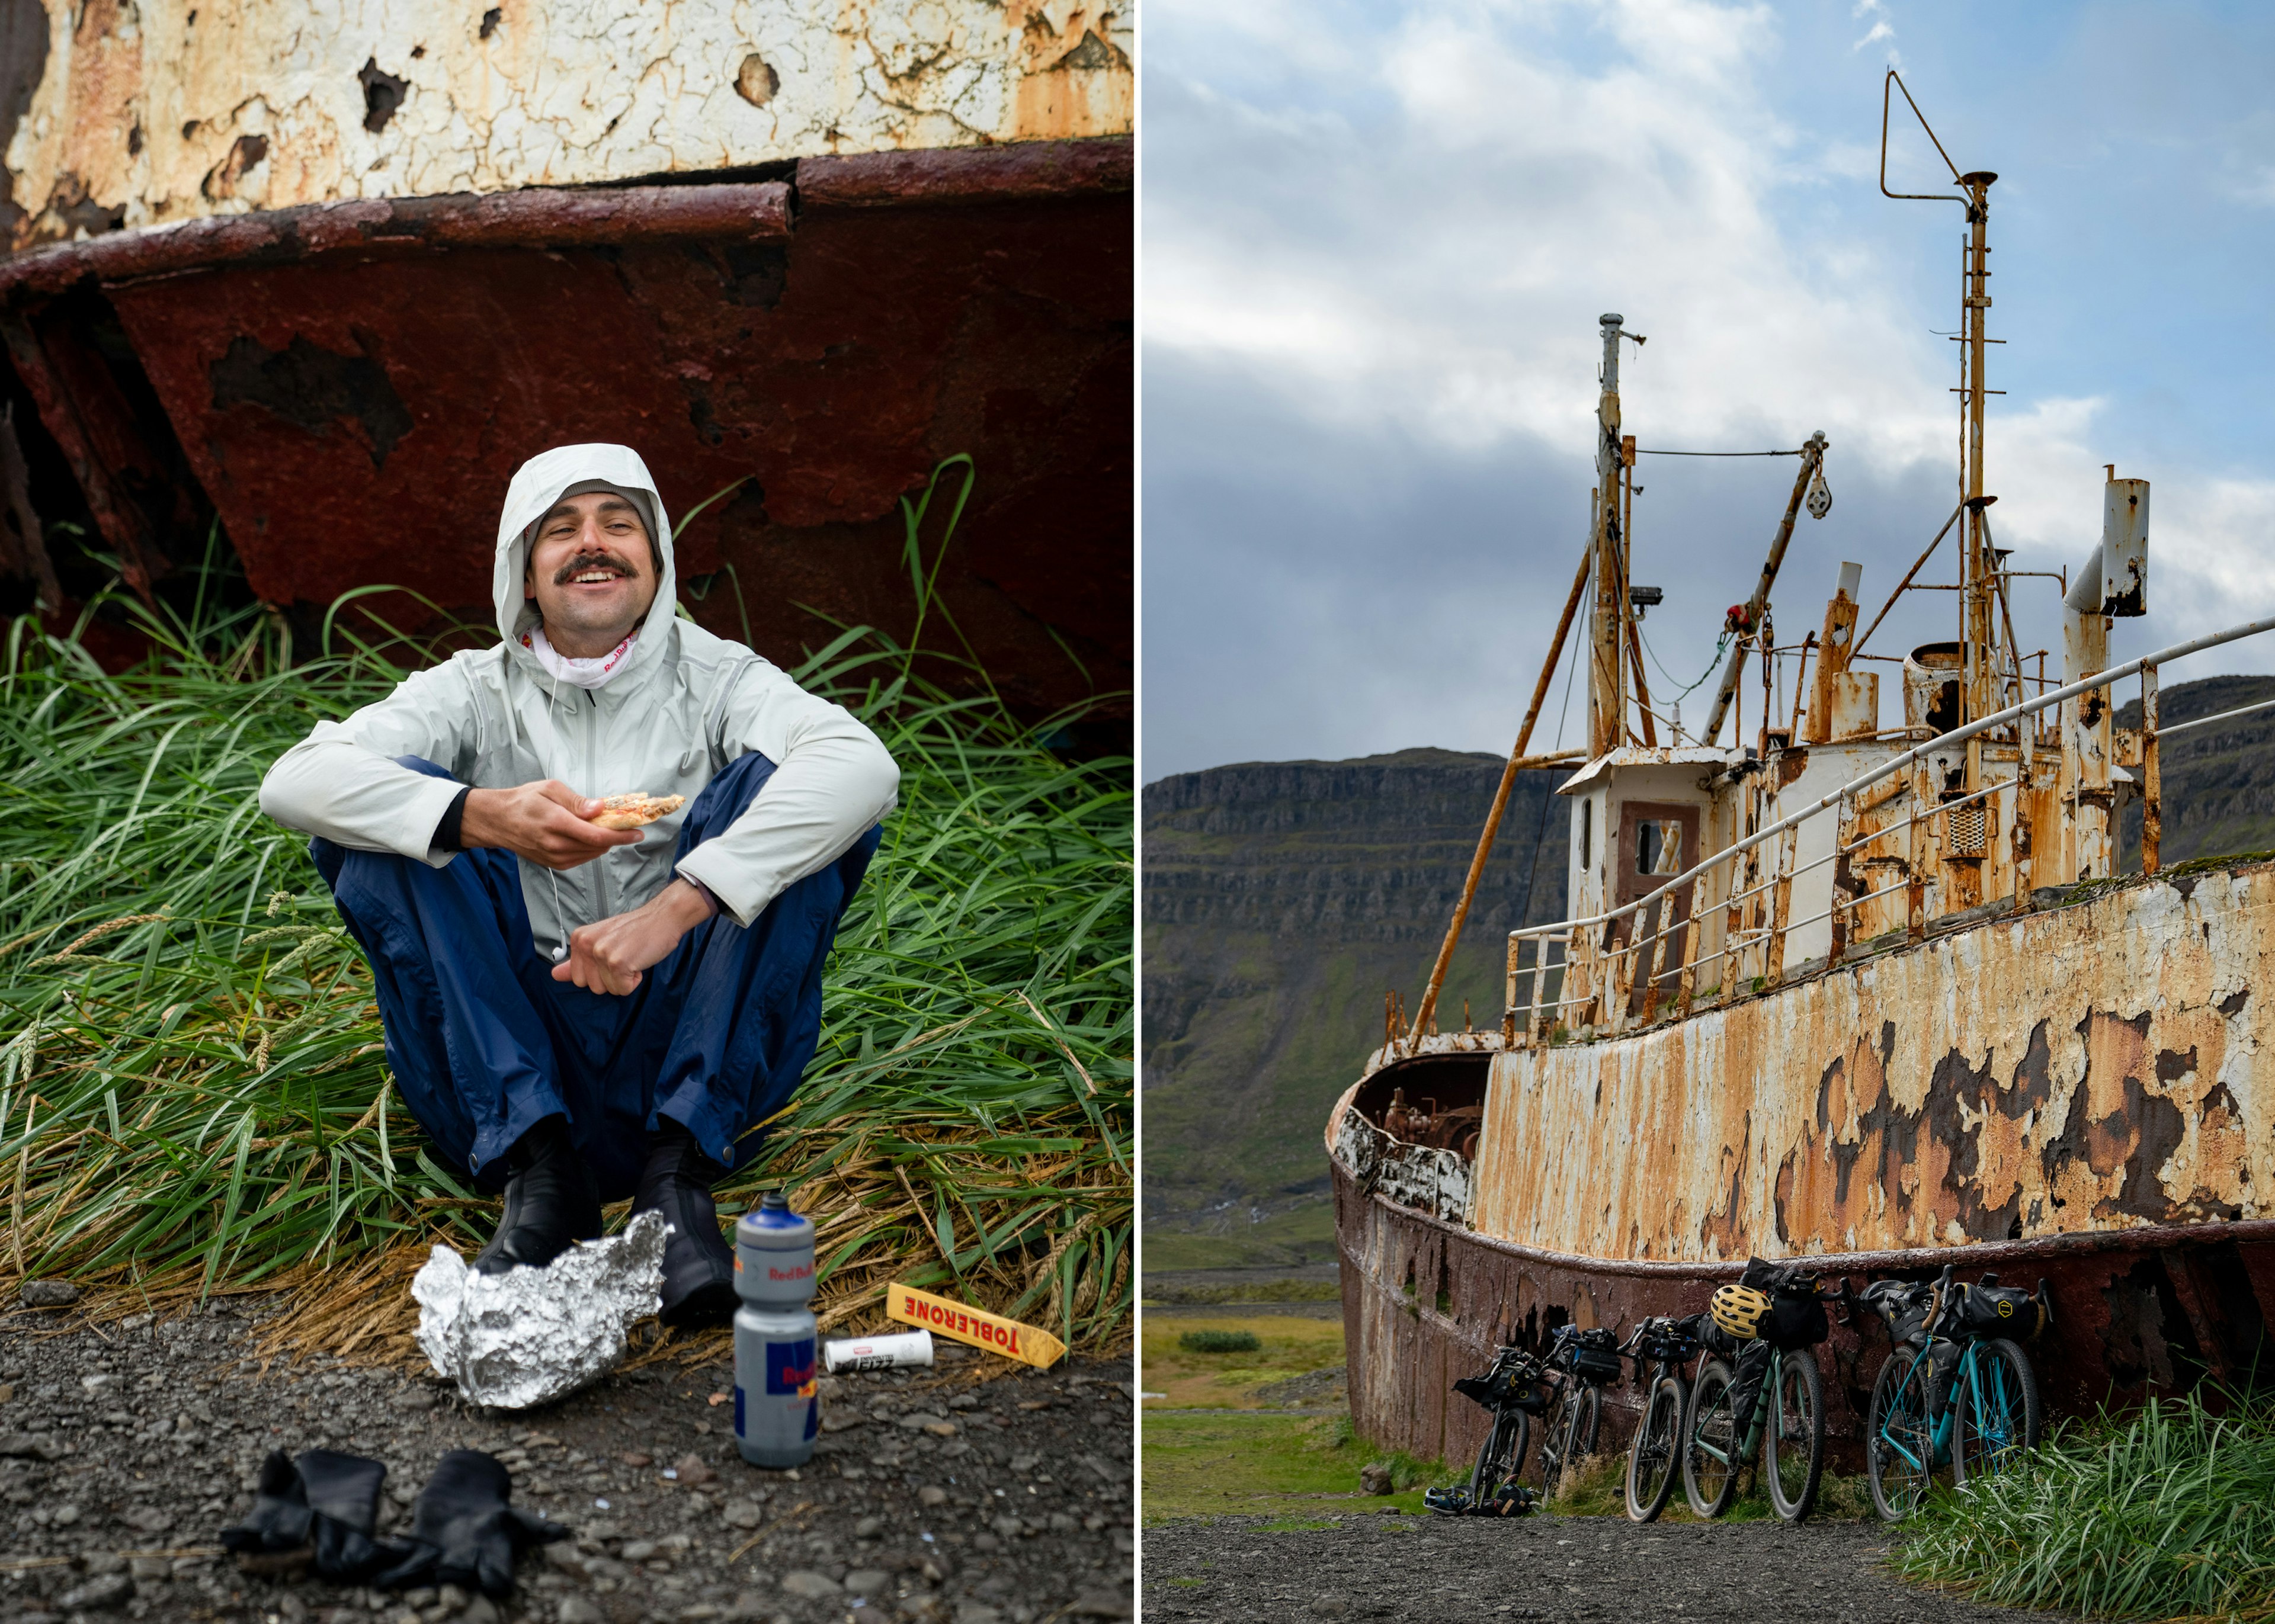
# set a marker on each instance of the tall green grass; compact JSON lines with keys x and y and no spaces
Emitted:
{"x":192,"y":1091}
{"x":2166,"y":1513}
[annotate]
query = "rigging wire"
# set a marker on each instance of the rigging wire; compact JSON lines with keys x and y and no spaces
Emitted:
{"x":1540,"y":833}
{"x":1721,"y":645}
{"x":1653,"y":451}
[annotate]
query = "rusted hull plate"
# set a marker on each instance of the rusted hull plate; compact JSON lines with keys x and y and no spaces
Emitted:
{"x":2091,"y":1067}
{"x":354,"y":386}
{"x":1425,"y":1301}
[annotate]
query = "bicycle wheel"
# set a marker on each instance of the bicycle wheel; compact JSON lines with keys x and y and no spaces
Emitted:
{"x":1650,"y":1457}
{"x":1793,"y":1447}
{"x":1501,"y":1456}
{"x":1582,"y":1415}
{"x":1899,"y":1439}
{"x":1996,"y":1398}
{"x":1710,"y":1449}
{"x":1553,"y":1459}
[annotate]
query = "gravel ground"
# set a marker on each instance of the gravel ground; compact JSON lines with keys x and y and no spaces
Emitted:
{"x":957,"y":1495}
{"x":1234,"y":1570}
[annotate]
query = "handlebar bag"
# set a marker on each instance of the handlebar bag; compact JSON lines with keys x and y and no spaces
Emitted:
{"x":2000,"y":1310}
{"x":1675,"y":1340}
{"x":1597,"y":1358}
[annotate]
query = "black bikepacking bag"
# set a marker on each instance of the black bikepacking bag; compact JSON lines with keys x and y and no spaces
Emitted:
{"x":1913,"y":1313}
{"x":1675,"y":1340}
{"x":1796,"y":1317}
{"x":1510,"y":1389}
{"x":1942,"y":1372}
{"x":1904,"y":1309}
{"x":1795,"y":1321}
{"x":1719,"y":1343}
{"x":1597,"y":1358}
{"x":2000,"y":1310}
{"x":1746,"y":1371}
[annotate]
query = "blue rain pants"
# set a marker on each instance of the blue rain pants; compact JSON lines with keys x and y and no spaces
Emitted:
{"x":485,"y":1043}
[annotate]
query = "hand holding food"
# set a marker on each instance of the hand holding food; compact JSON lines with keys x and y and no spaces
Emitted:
{"x":635,"y":810}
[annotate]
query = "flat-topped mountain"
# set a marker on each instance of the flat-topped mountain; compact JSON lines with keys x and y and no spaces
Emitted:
{"x":1282,"y":900}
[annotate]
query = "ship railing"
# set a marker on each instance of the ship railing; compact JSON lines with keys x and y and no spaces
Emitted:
{"x":1628,"y":982}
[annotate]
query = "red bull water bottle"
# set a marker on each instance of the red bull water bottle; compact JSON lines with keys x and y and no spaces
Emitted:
{"x":777,"y":1406}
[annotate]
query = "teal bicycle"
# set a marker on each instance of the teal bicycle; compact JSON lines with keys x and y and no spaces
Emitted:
{"x":1957,"y":1395}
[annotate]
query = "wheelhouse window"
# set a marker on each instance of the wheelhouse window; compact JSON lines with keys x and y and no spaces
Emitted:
{"x":1659,"y":846}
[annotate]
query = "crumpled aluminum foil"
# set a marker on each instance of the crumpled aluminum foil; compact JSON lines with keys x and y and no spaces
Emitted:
{"x":530,"y":1335}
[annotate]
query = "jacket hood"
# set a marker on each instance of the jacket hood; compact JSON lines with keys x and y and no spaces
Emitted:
{"x":537,"y":485}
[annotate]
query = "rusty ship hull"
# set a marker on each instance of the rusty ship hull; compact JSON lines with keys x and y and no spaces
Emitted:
{"x":2069,"y":1093}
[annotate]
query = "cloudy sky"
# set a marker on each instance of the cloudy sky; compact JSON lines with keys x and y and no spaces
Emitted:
{"x":1376,"y":239}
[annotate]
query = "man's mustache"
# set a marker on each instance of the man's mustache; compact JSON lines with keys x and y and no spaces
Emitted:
{"x":594,"y":561}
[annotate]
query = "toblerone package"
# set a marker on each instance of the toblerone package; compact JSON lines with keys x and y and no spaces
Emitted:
{"x":975,"y":1325}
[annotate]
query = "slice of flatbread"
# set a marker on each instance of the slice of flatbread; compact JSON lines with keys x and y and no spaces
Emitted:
{"x":634,"y":811}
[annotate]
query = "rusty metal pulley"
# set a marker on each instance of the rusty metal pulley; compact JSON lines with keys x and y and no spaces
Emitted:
{"x":1820,"y":494}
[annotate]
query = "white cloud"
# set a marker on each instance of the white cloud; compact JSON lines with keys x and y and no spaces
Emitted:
{"x":1530,"y":193}
{"x":1881,"y":28}
{"x":1408,"y":250}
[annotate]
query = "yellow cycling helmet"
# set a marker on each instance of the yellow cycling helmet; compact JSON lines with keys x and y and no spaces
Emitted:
{"x":1739,"y":1310}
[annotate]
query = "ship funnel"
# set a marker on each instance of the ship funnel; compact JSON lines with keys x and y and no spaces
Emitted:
{"x":2114,"y":579}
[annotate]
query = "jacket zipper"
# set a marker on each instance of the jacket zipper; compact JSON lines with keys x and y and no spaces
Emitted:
{"x":592,"y":765}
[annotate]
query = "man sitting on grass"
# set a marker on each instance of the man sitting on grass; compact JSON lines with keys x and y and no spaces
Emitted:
{"x":582,"y":1012}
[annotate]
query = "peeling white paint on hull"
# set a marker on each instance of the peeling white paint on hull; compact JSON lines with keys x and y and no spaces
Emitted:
{"x":145,"y":114}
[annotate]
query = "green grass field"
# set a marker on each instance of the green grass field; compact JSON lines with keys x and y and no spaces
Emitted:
{"x":1288,"y":1346}
{"x":1304,"y":1235}
{"x":1215,"y":1464}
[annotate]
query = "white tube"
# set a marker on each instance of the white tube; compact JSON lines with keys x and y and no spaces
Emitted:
{"x":877,"y":1352}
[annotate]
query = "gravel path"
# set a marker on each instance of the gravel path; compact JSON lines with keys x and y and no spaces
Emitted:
{"x":1231,"y":1570}
{"x":939,"y":1497}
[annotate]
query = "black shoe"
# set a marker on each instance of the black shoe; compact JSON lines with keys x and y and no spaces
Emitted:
{"x":698,"y":1265}
{"x":550,"y":1200}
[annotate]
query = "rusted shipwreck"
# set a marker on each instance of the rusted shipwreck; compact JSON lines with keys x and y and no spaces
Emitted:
{"x":1870,"y":994}
{"x":331,"y":284}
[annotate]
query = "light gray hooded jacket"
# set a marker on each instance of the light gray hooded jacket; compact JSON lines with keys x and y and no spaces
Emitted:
{"x":685,"y":706}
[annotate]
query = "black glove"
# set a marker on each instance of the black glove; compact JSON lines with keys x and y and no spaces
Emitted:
{"x":343,"y":1494}
{"x":325,"y":1501}
{"x":463,"y":1533}
{"x":280,"y":1515}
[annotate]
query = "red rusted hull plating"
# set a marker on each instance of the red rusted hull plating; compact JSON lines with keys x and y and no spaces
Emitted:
{"x":350,"y":387}
{"x":1425,"y":1301}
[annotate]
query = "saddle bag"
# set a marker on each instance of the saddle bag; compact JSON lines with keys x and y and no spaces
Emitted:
{"x":1796,"y":1316}
{"x":1495,"y":1394}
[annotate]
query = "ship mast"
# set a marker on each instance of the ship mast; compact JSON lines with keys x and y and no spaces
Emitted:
{"x":1980,"y":588}
{"x":1607,"y":699}
{"x":1981,"y":583}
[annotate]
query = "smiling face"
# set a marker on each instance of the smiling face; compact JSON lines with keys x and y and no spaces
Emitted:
{"x":592,"y":570}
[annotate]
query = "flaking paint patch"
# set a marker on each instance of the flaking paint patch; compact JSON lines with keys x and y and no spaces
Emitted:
{"x":555,"y":95}
{"x":2079,"y":1069}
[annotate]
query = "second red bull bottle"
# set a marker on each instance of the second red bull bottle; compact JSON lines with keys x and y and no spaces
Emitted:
{"x":777,"y":1405}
